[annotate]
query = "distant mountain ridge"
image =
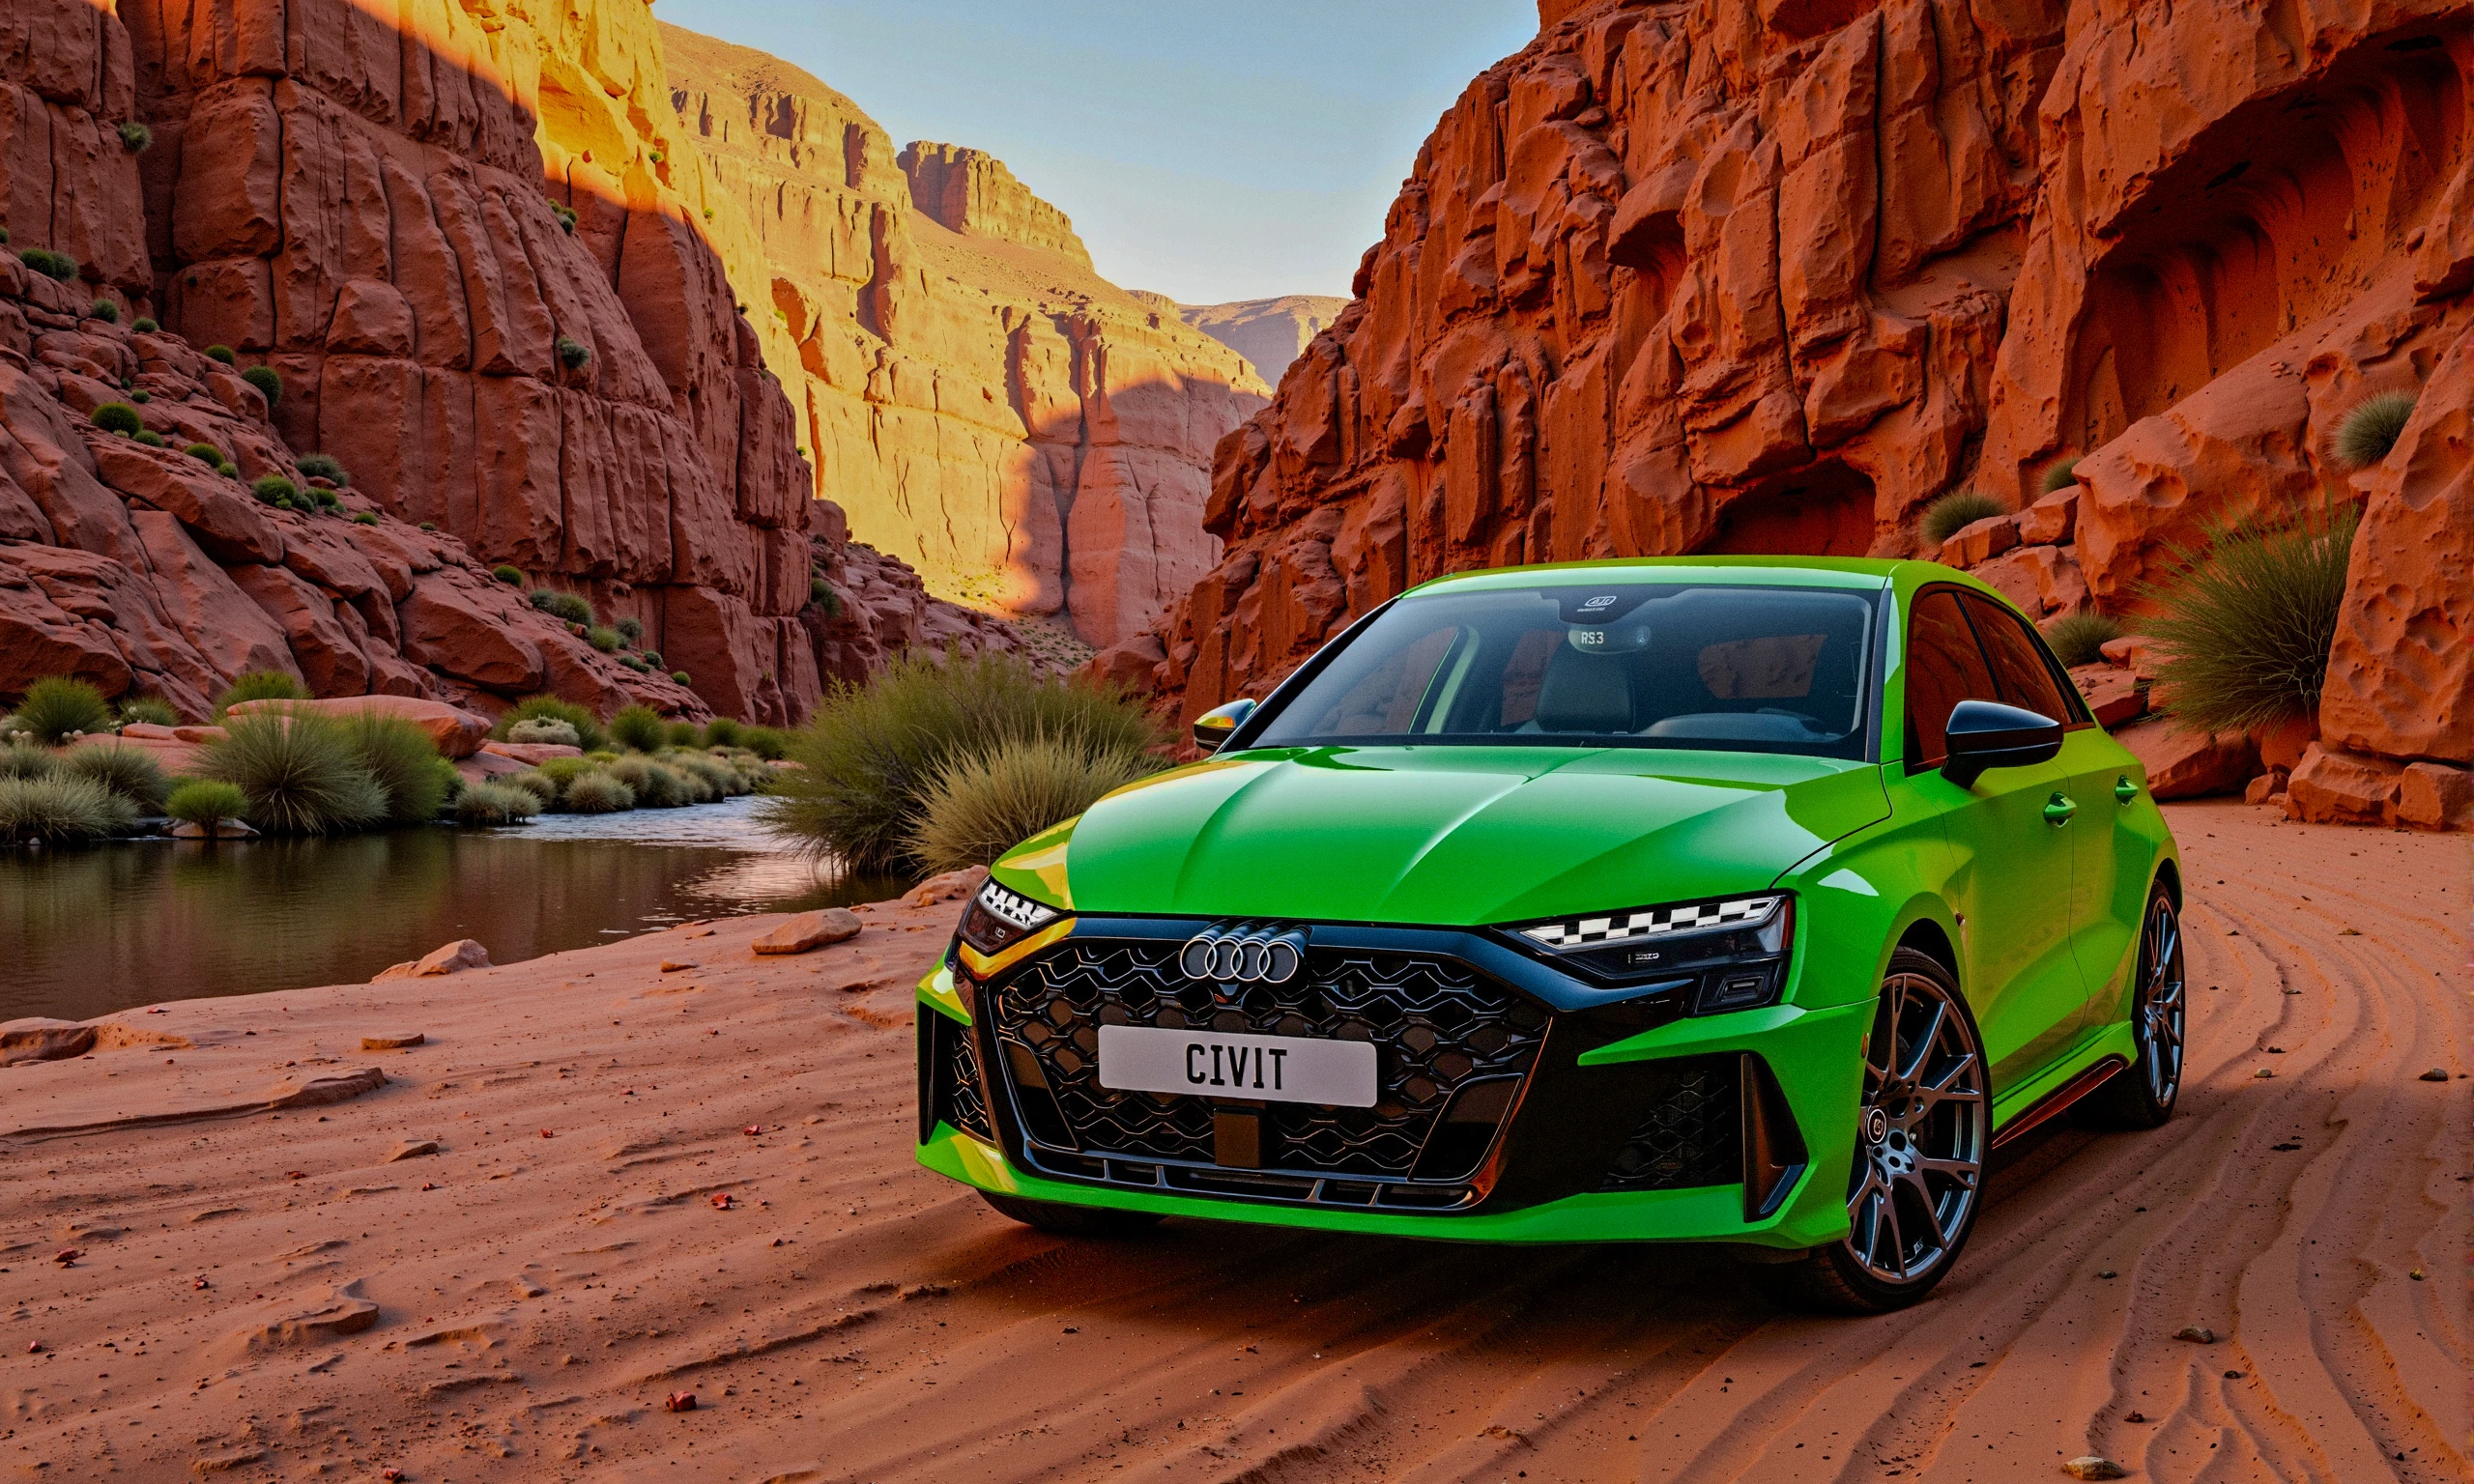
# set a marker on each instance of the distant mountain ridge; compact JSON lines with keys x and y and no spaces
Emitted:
{"x":1269,"y":332}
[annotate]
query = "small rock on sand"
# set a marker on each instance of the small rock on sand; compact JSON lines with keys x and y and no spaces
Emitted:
{"x":2196,"y":1335}
{"x":810,"y":929}
{"x":392,"y":1042}
{"x":449,"y":959}
{"x":2435,"y":1075}
{"x":952,"y":886}
{"x":413,"y":1150}
{"x":2093,"y":1468}
{"x":346,"y":1312}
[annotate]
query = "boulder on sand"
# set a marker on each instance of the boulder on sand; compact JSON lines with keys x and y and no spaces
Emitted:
{"x":450,"y":959}
{"x":810,"y":929}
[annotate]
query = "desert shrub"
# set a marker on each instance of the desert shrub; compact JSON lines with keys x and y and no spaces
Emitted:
{"x":204,"y":801}
{"x":566,"y":606}
{"x":566,"y":215}
{"x":228,"y":470}
{"x":629,"y":629}
{"x":429,"y":526}
{"x":722,"y":731}
{"x":60,"y":808}
{"x":679,"y":677}
{"x":564,"y":771}
{"x":655,"y":786}
{"x":364,"y":518}
{"x":148,"y":436}
{"x":511,"y":576}
{"x":273,"y":489}
{"x":57,"y":265}
{"x":765,"y":742}
{"x":117,"y":418}
{"x":26,"y":759}
{"x":607,"y":640}
{"x":147,"y":708}
{"x":450,"y":783}
{"x":140,"y":398}
{"x":326,"y":500}
{"x":1954,"y":512}
{"x":134,"y":136}
{"x":400,"y":756}
{"x":2059,"y":475}
{"x":301,"y":772}
{"x":105,"y":310}
{"x":495,"y":804}
{"x":573,"y":353}
{"x":652,"y":659}
{"x":223,"y":354}
{"x":542,"y":786}
{"x":57,"y":706}
{"x":681,"y":733}
{"x":2080,"y":639}
{"x":323,"y":466}
{"x":821,"y":593}
{"x":2245,"y":620}
{"x":144,"y":325}
{"x":2372,"y":427}
{"x":125,"y":769}
{"x":259,"y":685}
{"x":206,"y":453}
{"x":269,"y":381}
{"x":979,"y":806}
{"x":694,"y":787}
{"x":720,"y":780}
{"x":588,"y":734}
{"x":599,"y":793}
{"x":638,"y":728}
{"x":543,"y":731}
{"x":874,"y":751}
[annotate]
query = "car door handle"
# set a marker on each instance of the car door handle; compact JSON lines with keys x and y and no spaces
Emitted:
{"x":2124,"y":790}
{"x":2058,"y":809}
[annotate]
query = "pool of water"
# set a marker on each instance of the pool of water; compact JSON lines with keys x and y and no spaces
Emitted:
{"x":87,"y":932}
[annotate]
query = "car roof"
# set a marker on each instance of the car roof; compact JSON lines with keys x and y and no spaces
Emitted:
{"x":1843,"y":572}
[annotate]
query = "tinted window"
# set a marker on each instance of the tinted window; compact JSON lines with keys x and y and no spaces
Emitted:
{"x":2018,"y":661}
{"x":1943,"y":668}
{"x":1650,"y":664}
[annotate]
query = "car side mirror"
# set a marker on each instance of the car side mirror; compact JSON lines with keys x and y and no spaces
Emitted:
{"x":1214,"y":727}
{"x":1986,"y":735}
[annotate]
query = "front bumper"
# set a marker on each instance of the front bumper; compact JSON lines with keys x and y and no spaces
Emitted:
{"x":1626,"y":1122}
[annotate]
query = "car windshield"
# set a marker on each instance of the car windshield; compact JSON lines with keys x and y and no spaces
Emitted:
{"x":1709,"y":666}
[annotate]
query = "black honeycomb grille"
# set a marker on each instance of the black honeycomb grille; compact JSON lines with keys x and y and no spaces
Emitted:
{"x":965,"y":1106}
{"x":1693,"y":1134}
{"x":1436,"y":1025}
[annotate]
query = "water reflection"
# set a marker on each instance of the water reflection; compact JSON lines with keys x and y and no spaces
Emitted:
{"x":85,"y":932}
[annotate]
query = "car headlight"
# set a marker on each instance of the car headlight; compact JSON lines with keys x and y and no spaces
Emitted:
{"x":996,"y":919}
{"x":1729,"y":952}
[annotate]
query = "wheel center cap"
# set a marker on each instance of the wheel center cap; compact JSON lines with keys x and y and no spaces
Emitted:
{"x":1877,"y":1126}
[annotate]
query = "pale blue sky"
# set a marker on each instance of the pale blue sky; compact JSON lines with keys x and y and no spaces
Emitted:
{"x":1210,"y":152}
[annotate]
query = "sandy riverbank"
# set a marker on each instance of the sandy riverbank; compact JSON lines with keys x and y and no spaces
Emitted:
{"x":517,"y":1306}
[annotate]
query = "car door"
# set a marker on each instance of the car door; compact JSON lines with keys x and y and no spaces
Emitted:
{"x":2095,"y":787}
{"x":2013,"y":853}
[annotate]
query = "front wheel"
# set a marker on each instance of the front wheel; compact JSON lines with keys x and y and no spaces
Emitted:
{"x":2144,"y":1096}
{"x":1071,"y":1220}
{"x":1923,"y":1127}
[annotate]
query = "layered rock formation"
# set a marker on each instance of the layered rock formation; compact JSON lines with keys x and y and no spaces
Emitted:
{"x":1269,"y":332}
{"x":1712,"y":276}
{"x":1029,"y":437}
{"x":456,"y":233}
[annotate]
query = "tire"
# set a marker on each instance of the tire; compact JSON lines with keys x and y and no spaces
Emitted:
{"x":2143,"y":1095}
{"x":1071,"y":1220}
{"x":1919,"y":1160}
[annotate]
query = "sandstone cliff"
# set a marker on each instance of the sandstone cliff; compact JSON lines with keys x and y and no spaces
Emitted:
{"x":1032,"y":438}
{"x":1269,"y":332}
{"x":454,"y":231}
{"x":1712,"y":276}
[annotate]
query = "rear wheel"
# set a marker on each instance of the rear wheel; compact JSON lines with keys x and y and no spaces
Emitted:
{"x":1071,"y":1220}
{"x":2144,"y":1096}
{"x":1923,"y":1126}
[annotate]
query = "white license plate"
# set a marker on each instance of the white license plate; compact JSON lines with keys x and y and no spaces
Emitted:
{"x":1268,"y":1069}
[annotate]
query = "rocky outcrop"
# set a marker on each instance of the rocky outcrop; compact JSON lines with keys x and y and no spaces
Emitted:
{"x":1033,"y":439}
{"x":1269,"y":332}
{"x":1719,"y":277}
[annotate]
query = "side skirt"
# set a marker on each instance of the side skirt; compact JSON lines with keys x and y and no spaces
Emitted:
{"x":2058,"y":1102}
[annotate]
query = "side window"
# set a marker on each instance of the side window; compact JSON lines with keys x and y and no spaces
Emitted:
{"x":1386,"y":701}
{"x":1943,"y":668}
{"x":2019,"y":662}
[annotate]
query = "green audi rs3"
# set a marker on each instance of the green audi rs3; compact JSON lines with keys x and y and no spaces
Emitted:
{"x":1753,"y":900}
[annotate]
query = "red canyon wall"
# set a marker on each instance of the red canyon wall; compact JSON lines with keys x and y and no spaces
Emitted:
{"x":1717,"y":276}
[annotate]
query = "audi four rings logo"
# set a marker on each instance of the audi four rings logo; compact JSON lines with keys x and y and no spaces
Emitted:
{"x":1243,"y":955}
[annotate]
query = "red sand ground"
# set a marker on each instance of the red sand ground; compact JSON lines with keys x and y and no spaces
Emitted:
{"x":849,"y":1316}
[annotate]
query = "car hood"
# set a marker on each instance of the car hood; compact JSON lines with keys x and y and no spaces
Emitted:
{"x":1444,"y":836}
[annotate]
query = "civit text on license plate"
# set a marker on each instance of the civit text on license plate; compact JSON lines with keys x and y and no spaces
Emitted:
{"x":1270,"y":1069}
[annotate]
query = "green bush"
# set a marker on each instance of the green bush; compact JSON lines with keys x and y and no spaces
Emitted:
{"x":679,"y":677}
{"x":719,"y":777}
{"x":599,"y":793}
{"x":821,"y":593}
{"x":125,"y":769}
{"x":573,"y":353}
{"x":874,"y":751}
{"x":2081,"y":638}
{"x":722,"y":731}
{"x":60,"y":808}
{"x":2059,"y":475}
{"x":566,"y":606}
{"x":144,"y":325}
{"x":105,"y":310}
{"x":681,"y":733}
{"x":588,"y":734}
{"x":57,"y":265}
{"x":323,"y":466}
{"x":117,"y":418}
{"x":56,"y":705}
{"x":694,"y":787}
{"x":204,"y":801}
{"x":607,"y":640}
{"x":268,"y":380}
{"x":629,"y":629}
{"x":1954,"y":513}
{"x":429,"y":526}
{"x":512,"y":576}
{"x":26,"y":759}
{"x":543,"y":730}
{"x":364,"y":518}
{"x":450,"y":782}
{"x":140,"y":399}
{"x":655,"y":786}
{"x":564,"y":771}
{"x":402,"y":759}
{"x":302,"y":773}
{"x":134,"y":136}
{"x":542,"y":786}
{"x":147,"y":708}
{"x":566,"y":215}
{"x":652,"y":659}
{"x":765,"y":742}
{"x":228,"y":470}
{"x":259,"y":685}
{"x":2246,"y":619}
{"x":495,"y":804}
{"x":148,"y":436}
{"x":326,"y":500}
{"x":981,"y":807}
{"x":640,"y":728}
{"x":2372,"y":427}
{"x":273,"y":489}
{"x":223,"y":354}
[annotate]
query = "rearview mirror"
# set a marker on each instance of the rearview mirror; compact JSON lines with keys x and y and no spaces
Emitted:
{"x":1986,"y":735}
{"x":1214,"y":727}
